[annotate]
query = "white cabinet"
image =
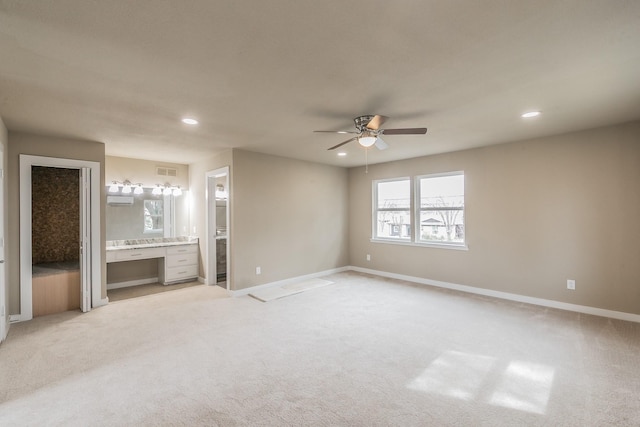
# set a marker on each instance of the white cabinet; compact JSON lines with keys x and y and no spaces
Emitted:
{"x":180,"y":263}
{"x":177,"y":263}
{"x":133,"y":254}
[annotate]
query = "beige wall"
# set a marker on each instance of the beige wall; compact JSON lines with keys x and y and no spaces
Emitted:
{"x":22,"y":143}
{"x":143,"y":172}
{"x":289,"y":217}
{"x":537,"y":213}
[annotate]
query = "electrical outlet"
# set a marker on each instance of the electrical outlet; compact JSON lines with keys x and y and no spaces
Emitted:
{"x":258,"y":270}
{"x":571,"y":284}
{"x":368,"y":257}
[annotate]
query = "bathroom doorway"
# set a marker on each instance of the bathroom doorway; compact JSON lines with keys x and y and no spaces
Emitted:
{"x":87,"y":227}
{"x":218,"y":230}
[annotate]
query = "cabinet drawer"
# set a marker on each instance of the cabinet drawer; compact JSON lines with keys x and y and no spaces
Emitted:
{"x":131,"y":254}
{"x":181,"y":273}
{"x":182,"y":249}
{"x":181,"y":259}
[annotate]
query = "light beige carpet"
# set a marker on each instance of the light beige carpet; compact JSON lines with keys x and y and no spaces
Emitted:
{"x":276,"y":292}
{"x":365,"y":351}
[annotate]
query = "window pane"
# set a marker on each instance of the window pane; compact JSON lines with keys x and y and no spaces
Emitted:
{"x":442,"y":191}
{"x":393,"y":194}
{"x":393,"y":224}
{"x":446,"y":226}
{"x":153,"y":216}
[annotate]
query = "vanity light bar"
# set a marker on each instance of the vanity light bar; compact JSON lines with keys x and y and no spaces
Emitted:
{"x":159,"y":189}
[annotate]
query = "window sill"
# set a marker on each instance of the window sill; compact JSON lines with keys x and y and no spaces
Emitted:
{"x":455,"y":247}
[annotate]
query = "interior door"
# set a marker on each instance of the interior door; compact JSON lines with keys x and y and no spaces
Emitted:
{"x":85,"y":239}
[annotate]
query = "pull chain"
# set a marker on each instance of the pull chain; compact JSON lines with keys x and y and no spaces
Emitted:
{"x":366,"y":160}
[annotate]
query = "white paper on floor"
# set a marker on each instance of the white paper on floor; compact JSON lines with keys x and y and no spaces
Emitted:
{"x":276,"y":292}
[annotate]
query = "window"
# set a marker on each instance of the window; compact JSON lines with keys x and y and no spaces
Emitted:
{"x":392,"y":209}
{"x":153,"y":216}
{"x":436,"y":207}
{"x":441,"y":209}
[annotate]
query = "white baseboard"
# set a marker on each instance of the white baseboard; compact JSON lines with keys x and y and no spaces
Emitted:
{"x":505,"y":295}
{"x":129,"y":283}
{"x":13,"y":318}
{"x":246,"y":291}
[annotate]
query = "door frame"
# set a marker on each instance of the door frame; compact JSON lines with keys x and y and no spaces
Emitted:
{"x":211,"y":277}
{"x":26,"y":291}
{"x":4,"y":310}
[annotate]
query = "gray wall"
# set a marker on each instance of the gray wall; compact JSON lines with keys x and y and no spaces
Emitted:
{"x":537,"y":213}
{"x":23,"y":143}
{"x":289,"y":217}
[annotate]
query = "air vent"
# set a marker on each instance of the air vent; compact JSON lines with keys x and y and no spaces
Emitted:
{"x":162,"y":171}
{"x":119,"y":200}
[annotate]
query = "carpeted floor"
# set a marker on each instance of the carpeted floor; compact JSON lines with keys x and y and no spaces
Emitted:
{"x":365,"y":351}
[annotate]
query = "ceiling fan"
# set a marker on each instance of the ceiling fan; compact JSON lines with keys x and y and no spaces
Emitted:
{"x":369,"y":132}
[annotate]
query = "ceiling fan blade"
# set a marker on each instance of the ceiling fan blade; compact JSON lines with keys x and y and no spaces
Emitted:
{"x":380,"y":144}
{"x":343,"y":143}
{"x":334,"y":131}
{"x":376,"y":122}
{"x":408,"y":131}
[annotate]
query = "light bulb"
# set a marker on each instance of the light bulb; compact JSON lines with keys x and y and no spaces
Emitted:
{"x":177,"y":191}
{"x":157,"y":190}
{"x":113,"y":188}
{"x":166,"y":191}
{"x":367,"y":141}
{"x":138,"y":189}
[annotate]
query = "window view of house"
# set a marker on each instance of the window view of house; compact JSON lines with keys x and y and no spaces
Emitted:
{"x":441,"y":211}
{"x":392,"y":214}
{"x":437,"y":207}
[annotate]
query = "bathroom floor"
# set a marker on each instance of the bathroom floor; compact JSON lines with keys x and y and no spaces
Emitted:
{"x":142,"y":290}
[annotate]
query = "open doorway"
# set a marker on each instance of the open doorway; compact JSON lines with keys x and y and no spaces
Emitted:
{"x":55,"y":239}
{"x":89,"y":235}
{"x":218,"y":236}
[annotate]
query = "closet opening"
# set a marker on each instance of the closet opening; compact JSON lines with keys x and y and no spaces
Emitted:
{"x":55,"y":239}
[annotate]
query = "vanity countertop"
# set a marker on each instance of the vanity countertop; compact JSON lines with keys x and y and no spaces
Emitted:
{"x":116,"y":245}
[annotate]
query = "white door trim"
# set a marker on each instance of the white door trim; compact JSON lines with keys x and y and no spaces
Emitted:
{"x":211,"y":277}
{"x":4,"y":310}
{"x":26,"y":294}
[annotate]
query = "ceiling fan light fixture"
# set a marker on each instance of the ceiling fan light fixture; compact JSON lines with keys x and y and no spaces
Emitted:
{"x":367,"y":139}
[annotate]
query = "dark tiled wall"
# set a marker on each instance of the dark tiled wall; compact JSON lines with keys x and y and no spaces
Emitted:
{"x":55,"y":214}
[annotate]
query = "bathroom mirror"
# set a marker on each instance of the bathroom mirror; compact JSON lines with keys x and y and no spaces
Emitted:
{"x":146,"y":215}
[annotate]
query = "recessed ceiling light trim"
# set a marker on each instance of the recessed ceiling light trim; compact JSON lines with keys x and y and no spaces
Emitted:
{"x":530,"y":114}
{"x":189,"y":121}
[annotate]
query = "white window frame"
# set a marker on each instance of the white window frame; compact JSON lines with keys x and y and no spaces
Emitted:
{"x":374,"y":225}
{"x":162,"y":217}
{"x":418,"y":210}
{"x":414,"y":214}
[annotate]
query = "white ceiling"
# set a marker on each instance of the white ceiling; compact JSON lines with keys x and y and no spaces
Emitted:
{"x":262,"y":75}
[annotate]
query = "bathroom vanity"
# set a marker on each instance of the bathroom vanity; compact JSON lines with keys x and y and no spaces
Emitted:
{"x":177,"y":257}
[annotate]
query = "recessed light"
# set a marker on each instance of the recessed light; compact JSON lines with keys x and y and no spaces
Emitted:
{"x":189,"y":121}
{"x":530,"y":114}
{"x":342,"y":154}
